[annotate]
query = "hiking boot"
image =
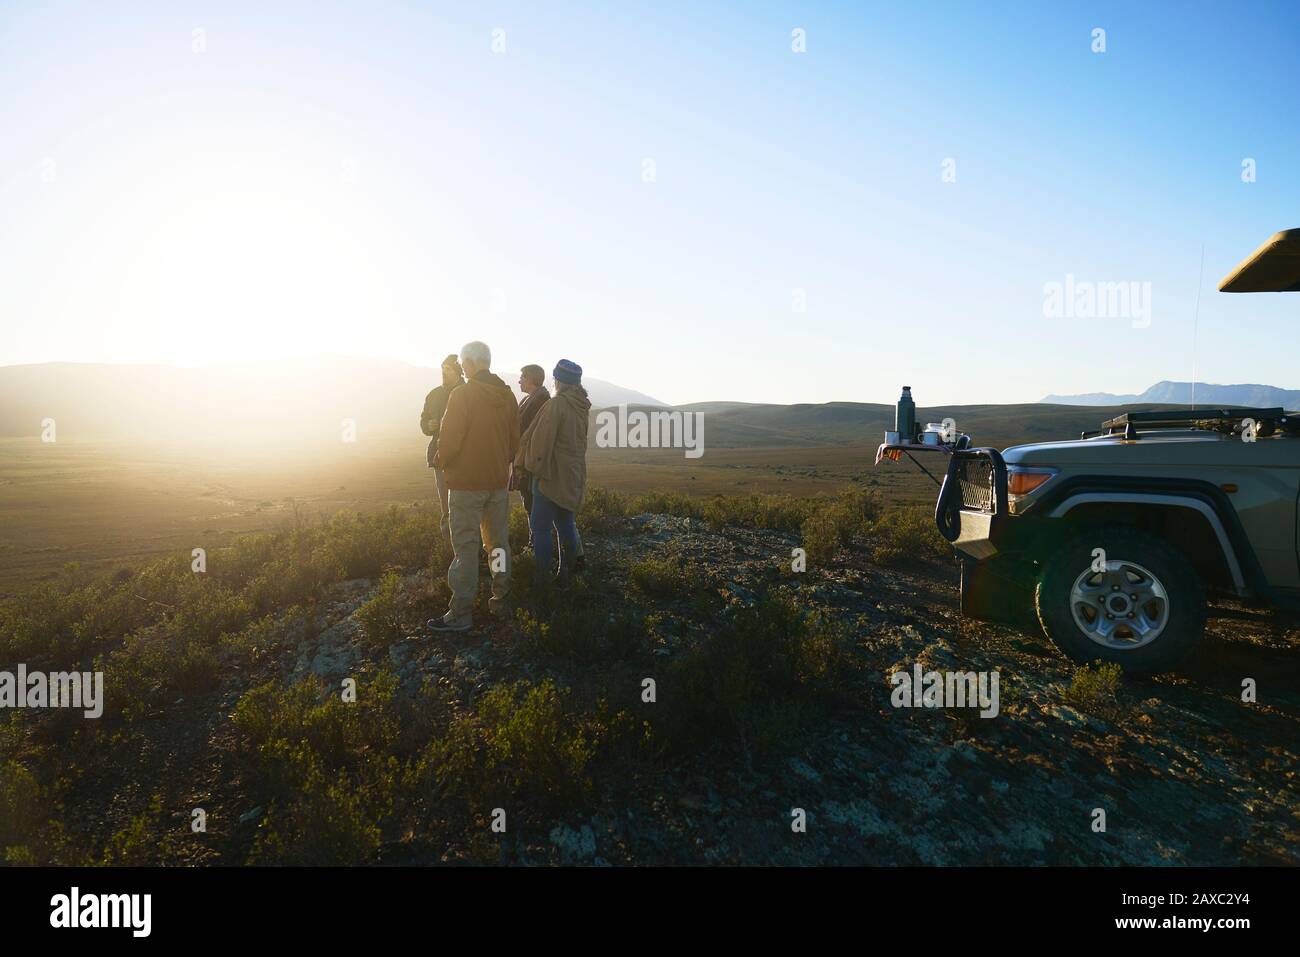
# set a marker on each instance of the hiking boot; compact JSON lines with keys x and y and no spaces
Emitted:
{"x":444,"y":624}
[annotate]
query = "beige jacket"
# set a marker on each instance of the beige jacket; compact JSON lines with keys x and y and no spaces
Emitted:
{"x":554,"y":449}
{"x":479,"y":435}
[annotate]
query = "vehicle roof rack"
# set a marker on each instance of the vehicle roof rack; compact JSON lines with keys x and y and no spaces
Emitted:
{"x":1186,"y":416}
{"x":1217,"y":420}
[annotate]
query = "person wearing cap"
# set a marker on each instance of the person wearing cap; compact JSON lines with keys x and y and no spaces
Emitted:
{"x":532,"y":383}
{"x":476,"y":445}
{"x":435,"y":404}
{"x":554,"y":453}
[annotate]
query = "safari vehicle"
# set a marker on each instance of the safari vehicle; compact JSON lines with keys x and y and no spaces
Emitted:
{"x":1117,"y":537}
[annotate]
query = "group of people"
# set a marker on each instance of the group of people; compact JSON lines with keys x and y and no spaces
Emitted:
{"x":483,"y":445}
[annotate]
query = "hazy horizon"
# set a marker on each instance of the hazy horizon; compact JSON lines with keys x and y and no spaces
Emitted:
{"x":508,"y":369}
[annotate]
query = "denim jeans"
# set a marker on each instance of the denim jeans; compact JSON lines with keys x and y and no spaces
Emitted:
{"x":545,"y":516}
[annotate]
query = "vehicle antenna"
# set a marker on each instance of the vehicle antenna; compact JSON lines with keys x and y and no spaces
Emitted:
{"x":1196,"y":316}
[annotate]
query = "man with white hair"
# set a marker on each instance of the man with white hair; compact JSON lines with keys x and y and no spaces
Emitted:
{"x":476,"y":444}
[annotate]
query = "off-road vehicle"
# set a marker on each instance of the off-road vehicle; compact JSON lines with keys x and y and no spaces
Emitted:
{"x":1117,"y":537}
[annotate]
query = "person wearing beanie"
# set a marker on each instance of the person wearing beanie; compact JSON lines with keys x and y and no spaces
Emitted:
{"x":435,"y":405}
{"x":554,"y":453}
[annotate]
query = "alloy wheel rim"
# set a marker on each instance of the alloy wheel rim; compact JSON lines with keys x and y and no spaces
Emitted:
{"x":1122,"y":608}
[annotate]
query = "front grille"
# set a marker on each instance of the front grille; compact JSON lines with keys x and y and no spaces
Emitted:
{"x":975,"y":477}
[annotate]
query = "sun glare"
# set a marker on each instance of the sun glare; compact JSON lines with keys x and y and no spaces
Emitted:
{"x":223,"y":244}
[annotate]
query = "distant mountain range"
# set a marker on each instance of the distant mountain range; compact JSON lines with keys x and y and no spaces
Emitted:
{"x":1180,"y":393}
{"x":273,"y":400}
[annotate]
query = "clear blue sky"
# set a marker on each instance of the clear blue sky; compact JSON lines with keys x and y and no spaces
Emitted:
{"x":371,"y":178}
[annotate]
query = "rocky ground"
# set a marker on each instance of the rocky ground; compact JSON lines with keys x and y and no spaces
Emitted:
{"x":1185,"y":772}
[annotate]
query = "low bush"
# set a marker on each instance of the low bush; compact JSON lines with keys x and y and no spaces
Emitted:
{"x":661,"y":577}
{"x":756,"y":679}
{"x":579,"y":630}
{"x":525,"y":746}
{"x":602,"y":510}
{"x":757,"y":510}
{"x":1096,"y":691}
{"x":835,"y":522}
{"x":519,"y":531}
{"x":145,"y":841}
{"x":667,"y":503}
{"x":380,"y":617}
{"x":906,"y":536}
{"x":332,"y":769}
{"x":151,"y":669}
{"x":22,"y":813}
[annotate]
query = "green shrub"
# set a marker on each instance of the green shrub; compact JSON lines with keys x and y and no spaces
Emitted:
{"x":663,"y":577}
{"x":906,"y":536}
{"x":53,"y":622}
{"x":194,"y":670}
{"x":1096,"y":691}
{"x":150,"y":669}
{"x":337,"y":730}
{"x":144,"y":841}
{"x":533,"y":742}
{"x":298,"y":577}
{"x":365,"y":545}
{"x":327,"y":821}
{"x":267,"y":637}
{"x":757,"y":510}
{"x":523,"y":574}
{"x":581,"y":630}
{"x":205,"y":609}
{"x":757,"y":679}
{"x":22,"y":810}
{"x":524,"y":746}
{"x":833,"y":523}
{"x":519,"y":532}
{"x":602,"y":510}
{"x":380,"y":617}
{"x":666,"y":503}
{"x":332,"y":769}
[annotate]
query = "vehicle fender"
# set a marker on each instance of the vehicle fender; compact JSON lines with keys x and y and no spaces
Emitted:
{"x":1195,"y":503}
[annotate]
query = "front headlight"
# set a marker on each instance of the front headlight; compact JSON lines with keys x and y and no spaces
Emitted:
{"x":1022,"y":482}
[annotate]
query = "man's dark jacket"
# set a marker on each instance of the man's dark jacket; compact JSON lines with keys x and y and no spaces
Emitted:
{"x":529,"y":406}
{"x":435,"y":405}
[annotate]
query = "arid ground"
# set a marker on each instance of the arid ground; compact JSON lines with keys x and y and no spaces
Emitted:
{"x":228,"y":691}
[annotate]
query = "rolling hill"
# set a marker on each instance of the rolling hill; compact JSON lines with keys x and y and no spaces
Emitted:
{"x":746,"y":425}
{"x":300,"y":403}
